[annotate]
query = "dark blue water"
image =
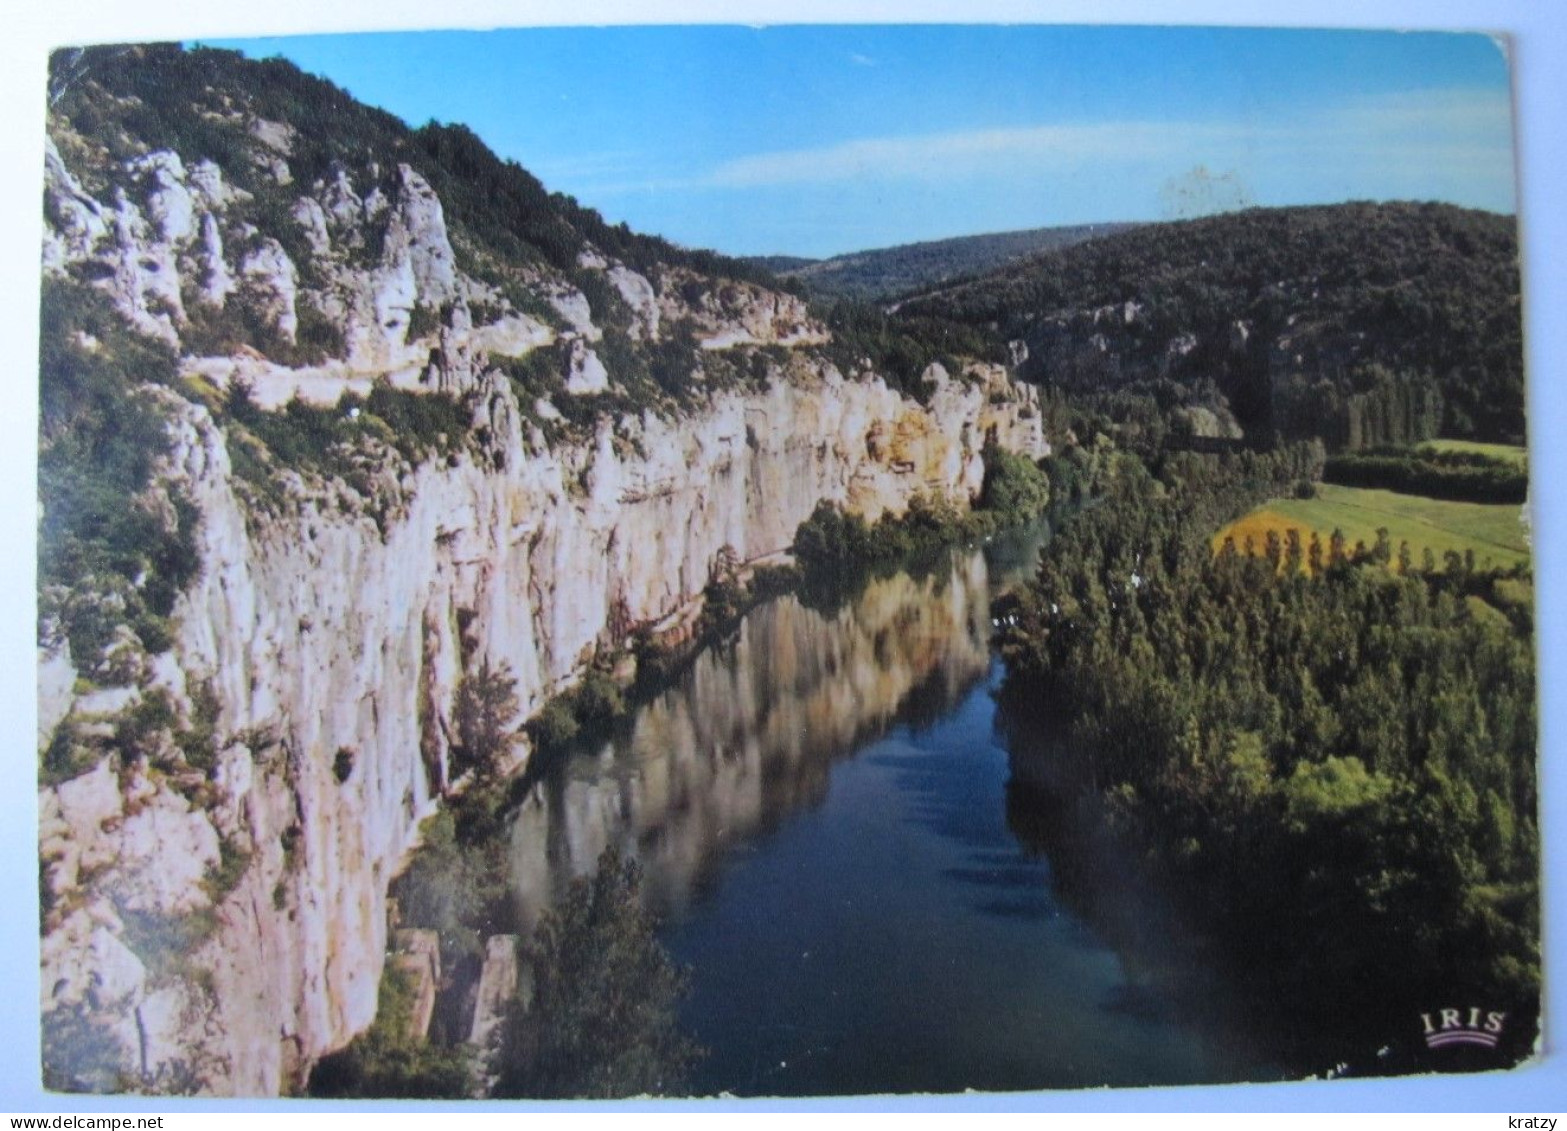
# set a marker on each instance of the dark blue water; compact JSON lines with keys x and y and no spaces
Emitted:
{"x":898,"y":938}
{"x":845,"y":857}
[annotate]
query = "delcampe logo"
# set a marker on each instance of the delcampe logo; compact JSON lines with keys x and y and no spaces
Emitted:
{"x":1455,"y":1027}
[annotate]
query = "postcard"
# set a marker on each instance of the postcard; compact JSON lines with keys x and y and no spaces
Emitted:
{"x":704,"y":560}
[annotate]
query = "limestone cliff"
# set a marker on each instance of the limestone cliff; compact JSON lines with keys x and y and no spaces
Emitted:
{"x":240,"y":794}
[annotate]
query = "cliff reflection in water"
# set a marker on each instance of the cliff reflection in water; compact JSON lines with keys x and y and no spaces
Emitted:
{"x":748,"y":734}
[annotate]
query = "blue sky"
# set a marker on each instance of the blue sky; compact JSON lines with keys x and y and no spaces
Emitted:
{"x":820,"y":140}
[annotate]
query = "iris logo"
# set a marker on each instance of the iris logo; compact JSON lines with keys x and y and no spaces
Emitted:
{"x":1455,"y":1027}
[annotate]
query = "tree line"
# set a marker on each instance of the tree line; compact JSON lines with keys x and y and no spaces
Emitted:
{"x":1464,"y":476}
{"x":1337,"y":768}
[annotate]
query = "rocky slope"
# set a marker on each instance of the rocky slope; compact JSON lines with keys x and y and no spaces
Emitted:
{"x":229,"y":788}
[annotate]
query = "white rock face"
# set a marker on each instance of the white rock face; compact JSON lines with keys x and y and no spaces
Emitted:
{"x":585,"y":373}
{"x":169,"y":203}
{"x":417,"y":952}
{"x":145,"y":280}
{"x":640,"y":297}
{"x":56,"y":679}
{"x":78,"y":225}
{"x":572,"y":305}
{"x":515,"y":335}
{"x":119,"y":972}
{"x":140,"y":254}
{"x":341,"y":204}
{"x":275,"y":135}
{"x":338,"y":624}
{"x":209,"y":189}
{"x":497,"y":983}
{"x":326,"y":633}
{"x":274,"y":284}
{"x":165,"y":848}
{"x":107,"y":701}
{"x":311,"y":218}
{"x":418,"y":232}
{"x":216,"y":281}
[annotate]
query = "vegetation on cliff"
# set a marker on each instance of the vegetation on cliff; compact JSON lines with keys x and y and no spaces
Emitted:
{"x":200,"y":102}
{"x":902,"y":348}
{"x":388,"y":1061}
{"x":292,"y":152}
{"x":835,"y":547}
{"x":595,"y":1014}
{"x":114,"y":546}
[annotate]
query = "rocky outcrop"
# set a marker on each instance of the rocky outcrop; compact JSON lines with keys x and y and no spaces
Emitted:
{"x":417,"y":953}
{"x":223,"y":918}
{"x":642,"y":299}
{"x":497,"y":985}
{"x":585,"y":373}
{"x":320,"y":633}
{"x":273,"y":287}
{"x":728,"y":313}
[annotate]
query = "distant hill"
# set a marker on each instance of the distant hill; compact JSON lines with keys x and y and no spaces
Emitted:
{"x":778,"y":264}
{"x":888,"y":272}
{"x":1361,"y":323}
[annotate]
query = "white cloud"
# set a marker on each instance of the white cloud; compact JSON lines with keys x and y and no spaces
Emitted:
{"x":1440,"y":131}
{"x":1480,"y":114}
{"x":1445,"y":124}
{"x":949,"y":155}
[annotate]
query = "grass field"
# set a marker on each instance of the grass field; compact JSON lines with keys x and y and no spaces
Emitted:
{"x":1492,"y":531}
{"x":1507,"y":453}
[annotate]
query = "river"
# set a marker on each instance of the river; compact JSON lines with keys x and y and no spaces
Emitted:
{"x":866,"y":883}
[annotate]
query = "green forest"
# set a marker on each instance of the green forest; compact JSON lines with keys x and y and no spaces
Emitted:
{"x":1336,"y":766}
{"x":1363,"y":323}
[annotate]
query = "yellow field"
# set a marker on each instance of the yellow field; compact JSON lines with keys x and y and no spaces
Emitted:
{"x":1492,"y":531}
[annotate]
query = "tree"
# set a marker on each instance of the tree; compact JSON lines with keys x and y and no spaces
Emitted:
{"x":1014,"y":486}
{"x":1292,"y":551}
{"x":1382,"y":552}
{"x":1274,"y":550}
{"x":486,"y":706}
{"x":602,"y":1022}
